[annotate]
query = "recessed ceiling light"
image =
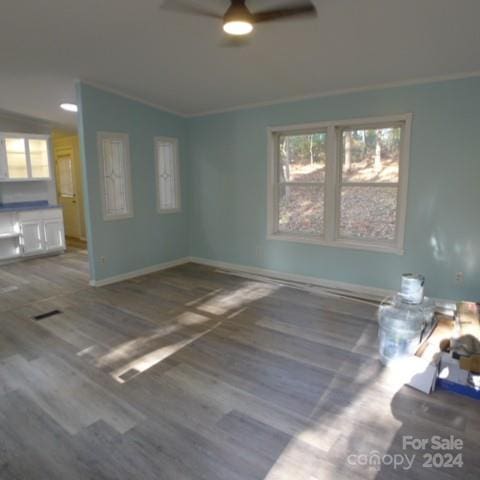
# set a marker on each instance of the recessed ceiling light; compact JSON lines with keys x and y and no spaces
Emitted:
{"x":69,"y":107}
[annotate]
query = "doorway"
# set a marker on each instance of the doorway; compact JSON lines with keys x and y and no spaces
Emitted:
{"x":69,"y":185}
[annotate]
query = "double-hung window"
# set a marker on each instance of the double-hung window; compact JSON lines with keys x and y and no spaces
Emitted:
{"x":340,"y":183}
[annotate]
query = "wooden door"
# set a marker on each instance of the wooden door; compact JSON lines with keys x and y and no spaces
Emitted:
{"x":67,"y":191}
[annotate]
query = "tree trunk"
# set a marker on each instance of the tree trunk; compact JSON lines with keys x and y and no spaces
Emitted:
{"x":378,"y":152}
{"x":348,"y":151}
{"x":364,"y":143}
{"x":286,"y":166}
{"x":311,"y":149}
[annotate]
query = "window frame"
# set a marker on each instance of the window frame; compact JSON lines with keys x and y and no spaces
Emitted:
{"x":177,"y":179}
{"x":124,"y":138}
{"x":333,"y":182}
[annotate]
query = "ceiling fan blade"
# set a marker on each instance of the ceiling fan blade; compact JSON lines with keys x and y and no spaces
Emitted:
{"x":306,"y":10}
{"x":185,"y":7}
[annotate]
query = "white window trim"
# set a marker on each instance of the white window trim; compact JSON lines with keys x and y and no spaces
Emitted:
{"x":332,"y":171}
{"x":123,"y":137}
{"x":178,"y":194}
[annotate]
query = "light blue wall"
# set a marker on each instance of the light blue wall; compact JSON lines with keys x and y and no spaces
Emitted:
{"x":224,"y":168}
{"x":148,"y":238}
{"x":228,"y":169}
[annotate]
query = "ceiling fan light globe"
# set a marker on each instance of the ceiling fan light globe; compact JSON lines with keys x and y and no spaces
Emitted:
{"x":237,"y":27}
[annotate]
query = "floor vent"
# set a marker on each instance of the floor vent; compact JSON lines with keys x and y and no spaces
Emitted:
{"x":51,"y":313}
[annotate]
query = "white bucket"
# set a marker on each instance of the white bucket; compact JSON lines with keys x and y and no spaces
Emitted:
{"x":411,"y":290}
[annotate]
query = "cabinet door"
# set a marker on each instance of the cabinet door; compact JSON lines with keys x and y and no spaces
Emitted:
{"x":16,"y":158}
{"x":39,"y":158}
{"x":54,"y":235}
{"x":32,"y":237}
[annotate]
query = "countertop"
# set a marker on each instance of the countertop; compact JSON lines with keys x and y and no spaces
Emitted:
{"x":20,"y":206}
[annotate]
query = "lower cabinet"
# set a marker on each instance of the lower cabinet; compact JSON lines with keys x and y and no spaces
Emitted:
{"x":41,"y":231}
{"x":54,"y":235}
{"x":31,"y":235}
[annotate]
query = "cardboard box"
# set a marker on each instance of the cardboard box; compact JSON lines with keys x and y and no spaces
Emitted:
{"x":453,"y":373}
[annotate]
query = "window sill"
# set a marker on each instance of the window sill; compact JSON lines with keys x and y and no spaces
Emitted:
{"x":350,"y":244}
{"x":112,"y":218}
{"x":168,"y":211}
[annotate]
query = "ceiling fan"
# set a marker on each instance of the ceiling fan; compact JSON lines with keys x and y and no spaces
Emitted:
{"x":238,"y":19}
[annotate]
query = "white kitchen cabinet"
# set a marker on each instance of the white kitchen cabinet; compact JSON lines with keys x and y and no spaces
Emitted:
{"x":32,"y":238}
{"x":9,"y":235}
{"x":41,"y":231}
{"x":54,"y":235}
{"x":27,"y":233}
{"x":24,"y":157}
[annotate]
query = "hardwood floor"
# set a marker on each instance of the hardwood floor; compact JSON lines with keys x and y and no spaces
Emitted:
{"x":191,"y":373}
{"x":76,"y":243}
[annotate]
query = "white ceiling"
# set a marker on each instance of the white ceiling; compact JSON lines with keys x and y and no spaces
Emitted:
{"x":176,"y":61}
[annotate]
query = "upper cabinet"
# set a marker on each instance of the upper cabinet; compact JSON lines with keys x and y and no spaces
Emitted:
{"x":24,"y":157}
{"x":39,"y":158}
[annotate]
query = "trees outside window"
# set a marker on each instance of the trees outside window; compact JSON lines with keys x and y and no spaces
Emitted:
{"x":341,"y":183}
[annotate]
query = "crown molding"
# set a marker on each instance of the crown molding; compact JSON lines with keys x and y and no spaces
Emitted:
{"x":333,"y":93}
{"x":26,"y":118}
{"x":127,"y":96}
{"x":285,"y":100}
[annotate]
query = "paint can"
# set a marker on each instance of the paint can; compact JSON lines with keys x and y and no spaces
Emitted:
{"x":411,"y":289}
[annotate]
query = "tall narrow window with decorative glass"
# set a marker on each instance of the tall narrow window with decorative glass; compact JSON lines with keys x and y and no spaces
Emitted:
{"x":167,"y":175}
{"x":115,"y":181}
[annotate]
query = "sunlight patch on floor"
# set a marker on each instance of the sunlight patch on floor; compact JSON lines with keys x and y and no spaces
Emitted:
{"x":223,"y":303}
{"x":133,"y":347}
{"x":203,"y":297}
{"x":150,"y":359}
{"x":140,"y":354}
{"x":335,"y":429}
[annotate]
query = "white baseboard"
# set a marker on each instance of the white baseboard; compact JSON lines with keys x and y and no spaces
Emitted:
{"x":139,"y":272}
{"x":377,"y":293}
{"x":352,"y":288}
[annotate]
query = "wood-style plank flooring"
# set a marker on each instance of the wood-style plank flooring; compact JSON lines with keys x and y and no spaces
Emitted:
{"x":191,"y":373}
